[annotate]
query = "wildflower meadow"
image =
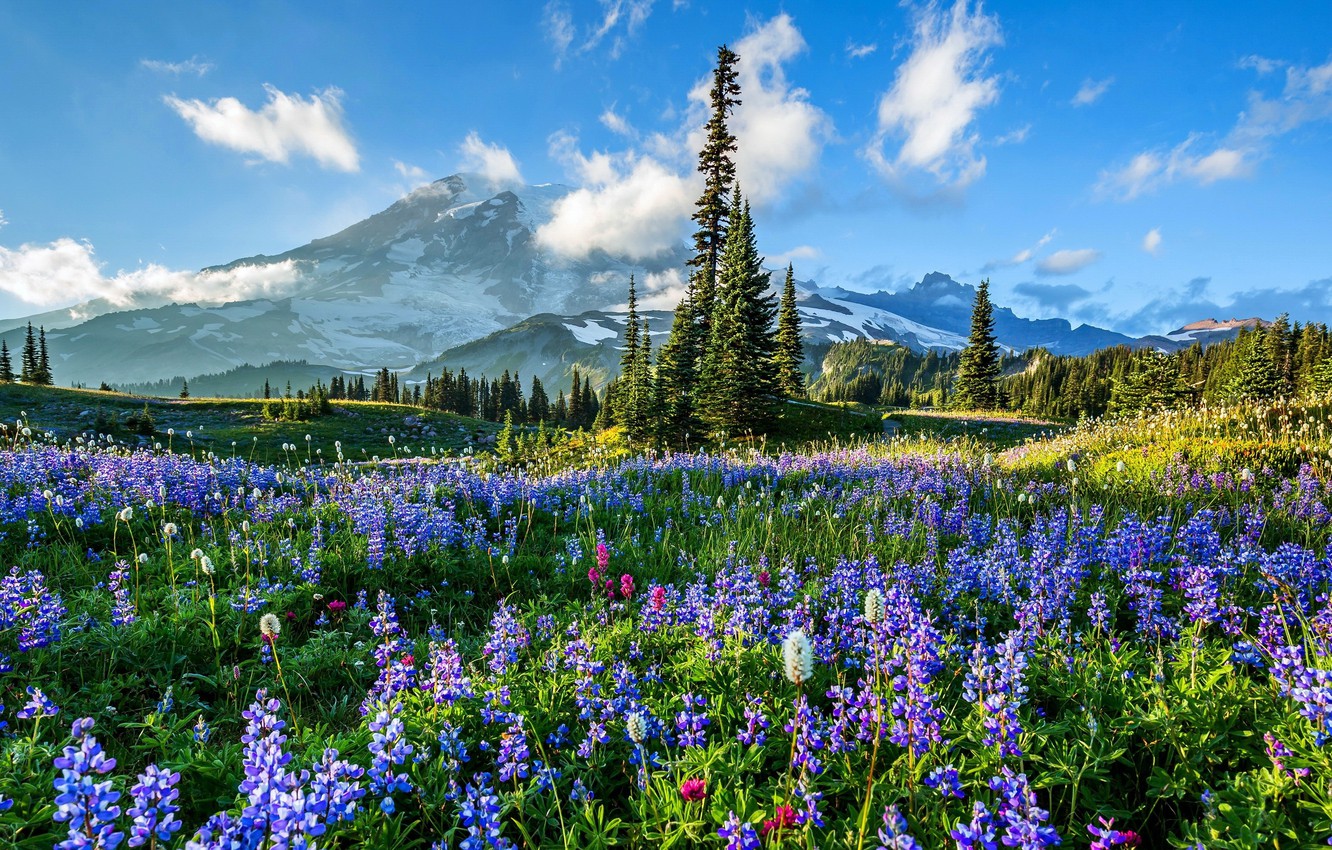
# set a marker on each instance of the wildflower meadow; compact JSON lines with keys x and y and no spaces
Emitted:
{"x":1118,"y":636}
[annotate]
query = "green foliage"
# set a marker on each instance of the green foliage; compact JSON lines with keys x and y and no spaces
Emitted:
{"x":1254,"y":374}
{"x":883,"y":373}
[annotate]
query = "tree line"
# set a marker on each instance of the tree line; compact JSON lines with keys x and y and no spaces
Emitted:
{"x":34,"y":361}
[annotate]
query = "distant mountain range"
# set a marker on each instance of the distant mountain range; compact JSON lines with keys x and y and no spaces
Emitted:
{"x":453,"y":275}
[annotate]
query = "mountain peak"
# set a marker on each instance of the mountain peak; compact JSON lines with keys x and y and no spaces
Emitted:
{"x":938,"y":283}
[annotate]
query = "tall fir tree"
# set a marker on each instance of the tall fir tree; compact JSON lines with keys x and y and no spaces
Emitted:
{"x":645,"y":382}
{"x":43,"y":360}
{"x":629,"y":388}
{"x":576,"y":414}
{"x":6,"y":364}
{"x":678,"y":361}
{"x":978,"y":369}
{"x":737,"y":383}
{"x":790,"y":353}
{"x":538,"y":405}
{"x":678,"y":425}
{"x":711,"y":211}
{"x":591,"y":404}
{"x":28,"y":359}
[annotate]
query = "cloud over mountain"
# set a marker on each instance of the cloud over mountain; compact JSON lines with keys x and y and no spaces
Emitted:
{"x":67,"y":270}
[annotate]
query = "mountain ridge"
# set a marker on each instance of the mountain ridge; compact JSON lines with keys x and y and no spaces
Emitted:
{"x":443,"y":270}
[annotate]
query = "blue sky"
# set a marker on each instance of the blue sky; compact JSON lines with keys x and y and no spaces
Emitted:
{"x":1133,"y":165}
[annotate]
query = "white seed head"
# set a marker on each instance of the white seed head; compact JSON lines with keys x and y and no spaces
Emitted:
{"x":270,"y":626}
{"x":206,"y":564}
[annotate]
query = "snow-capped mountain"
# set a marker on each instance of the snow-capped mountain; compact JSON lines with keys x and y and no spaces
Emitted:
{"x":456,"y":267}
{"x":451,"y":262}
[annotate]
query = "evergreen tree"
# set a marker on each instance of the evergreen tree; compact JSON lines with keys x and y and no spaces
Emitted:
{"x":978,"y":370}
{"x":1281,"y":349}
{"x":1320,"y":381}
{"x":506,"y":442}
{"x":647,"y":408}
{"x":1254,"y":374}
{"x":6,"y":364}
{"x":790,"y":353}
{"x":538,"y":406}
{"x":184,"y":389}
{"x":718,"y":169}
{"x":576,"y":419}
{"x":677,"y":377}
{"x":591,"y":404}
{"x":629,"y":388}
{"x":43,"y":377}
{"x":679,"y":360}
{"x":561,"y":412}
{"x":736,"y":380}
{"x":28,"y":362}
{"x":1149,"y":384}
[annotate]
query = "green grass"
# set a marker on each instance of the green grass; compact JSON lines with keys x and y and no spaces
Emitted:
{"x":991,"y":431}
{"x":227,"y":426}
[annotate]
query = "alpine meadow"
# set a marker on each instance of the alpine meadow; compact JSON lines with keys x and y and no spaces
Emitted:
{"x":685,"y":505}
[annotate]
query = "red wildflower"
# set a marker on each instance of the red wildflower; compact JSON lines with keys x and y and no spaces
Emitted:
{"x":693,"y":790}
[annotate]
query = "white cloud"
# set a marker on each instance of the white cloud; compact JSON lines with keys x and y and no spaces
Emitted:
{"x":779,"y":133}
{"x":493,"y":162}
{"x":412,"y":173}
{"x":1150,"y":170}
{"x":1021,"y":256}
{"x":413,"y":177}
{"x":66,"y":271}
{"x":860,"y":51}
{"x":1067,"y":261}
{"x":935,"y":97}
{"x":637,"y":202}
{"x":558,"y":24}
{"x":1260,"y":64}
{"x":799,"y":252}
{"x":286,"y":125}
{"x":633,"y":207}
{"x":189,"y":66}
{"x":3,"y":220}
{"x":632,"y":13}
{"x":1305,"y":98}
{"x":663,"y":290}
{"x":616,"y":123}
{"x":1014,"y":137}
{"x":1091,"y":91}
{"x":1151,"y":243}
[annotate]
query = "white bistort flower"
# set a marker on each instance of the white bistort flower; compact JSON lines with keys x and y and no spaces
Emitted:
{"x":636,"y":726}
{"x":798,"y":657}
{"x":873,"y":605}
